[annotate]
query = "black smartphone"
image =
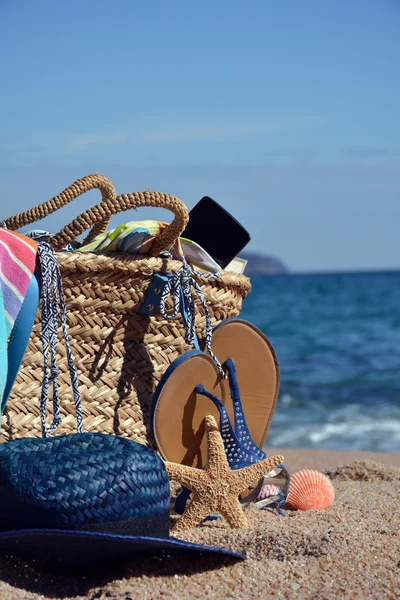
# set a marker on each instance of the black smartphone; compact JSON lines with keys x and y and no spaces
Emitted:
{"x":216,"y":230}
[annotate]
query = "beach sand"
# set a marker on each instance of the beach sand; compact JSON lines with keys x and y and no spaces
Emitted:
{"x":351,"y":550}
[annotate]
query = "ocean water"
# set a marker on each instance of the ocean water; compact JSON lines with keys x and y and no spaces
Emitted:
{"x":337,"y":338}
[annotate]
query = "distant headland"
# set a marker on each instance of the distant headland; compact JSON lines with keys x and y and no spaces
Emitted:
{"x":260,"y":264}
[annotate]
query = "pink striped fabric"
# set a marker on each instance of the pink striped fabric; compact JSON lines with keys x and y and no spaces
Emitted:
{"x":17,"y":264}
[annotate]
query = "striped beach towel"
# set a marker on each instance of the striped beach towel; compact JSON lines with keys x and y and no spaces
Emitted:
{"x":17,"y":265}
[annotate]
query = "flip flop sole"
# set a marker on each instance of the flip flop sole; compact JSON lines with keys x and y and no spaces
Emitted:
{"x":178,"y":412}
{"x":257,"y":371}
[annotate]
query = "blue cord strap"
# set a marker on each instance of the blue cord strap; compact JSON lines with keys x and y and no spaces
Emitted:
{"x":52,"y":296}
{"x":180,"y":286}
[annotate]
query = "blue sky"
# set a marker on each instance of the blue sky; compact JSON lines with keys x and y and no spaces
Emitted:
{"x":286,"y":113}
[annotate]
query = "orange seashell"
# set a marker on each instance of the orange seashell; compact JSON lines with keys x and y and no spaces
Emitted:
{"x":310,"y":490}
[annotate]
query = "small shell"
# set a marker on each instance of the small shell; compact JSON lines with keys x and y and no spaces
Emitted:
{"x":267,"y":490}
{"x":310,"y":490}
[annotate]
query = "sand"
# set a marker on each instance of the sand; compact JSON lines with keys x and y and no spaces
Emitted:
{"x":351,"y":550}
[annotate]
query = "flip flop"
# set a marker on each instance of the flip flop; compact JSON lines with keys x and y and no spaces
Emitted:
{"x":192,"y":388}
{"x":178,"y":409}
{"x":257,"y":372}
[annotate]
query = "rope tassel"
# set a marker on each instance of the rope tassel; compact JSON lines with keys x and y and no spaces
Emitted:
{"x":52,"y":296}
{"x":179,"y":286}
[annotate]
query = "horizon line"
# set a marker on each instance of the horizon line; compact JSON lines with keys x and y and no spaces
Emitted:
{"x":356,"y":271}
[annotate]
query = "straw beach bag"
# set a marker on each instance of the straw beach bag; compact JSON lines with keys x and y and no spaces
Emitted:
{"x":121,"y":345}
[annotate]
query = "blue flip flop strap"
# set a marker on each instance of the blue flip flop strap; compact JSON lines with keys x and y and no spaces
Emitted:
{"x":241,"y":429}
{"x":237,"y":454}
{"x":20,"y":335}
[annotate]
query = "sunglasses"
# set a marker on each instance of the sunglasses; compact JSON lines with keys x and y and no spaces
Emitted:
{"x":280,"y":478}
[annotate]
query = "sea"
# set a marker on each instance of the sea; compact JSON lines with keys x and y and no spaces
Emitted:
{"x":337,"y":338}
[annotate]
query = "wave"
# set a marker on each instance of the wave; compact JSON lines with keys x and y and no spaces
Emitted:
{"x":337,"y":338}
{"x":353,"y":426}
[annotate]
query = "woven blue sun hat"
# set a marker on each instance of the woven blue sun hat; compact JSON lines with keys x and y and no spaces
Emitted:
{"x":86,"y":497}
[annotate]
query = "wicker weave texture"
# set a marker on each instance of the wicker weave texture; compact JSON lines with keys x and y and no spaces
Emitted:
{"x":78,"y":480}
{"x":120,"y":355}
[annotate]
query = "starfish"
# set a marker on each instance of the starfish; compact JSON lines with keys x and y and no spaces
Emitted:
{"x":216,"y":488}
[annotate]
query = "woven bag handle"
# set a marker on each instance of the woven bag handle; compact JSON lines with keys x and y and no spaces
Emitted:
{"x":78,"y":188}
{"x":105,"y":210}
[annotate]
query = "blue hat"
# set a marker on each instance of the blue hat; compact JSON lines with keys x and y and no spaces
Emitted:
{"x":86,"y":497}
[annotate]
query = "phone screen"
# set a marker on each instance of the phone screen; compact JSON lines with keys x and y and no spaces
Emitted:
{"x":216,"y":230}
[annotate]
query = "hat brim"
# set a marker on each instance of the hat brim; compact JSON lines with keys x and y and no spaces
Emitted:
{"x":71,"y":546}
